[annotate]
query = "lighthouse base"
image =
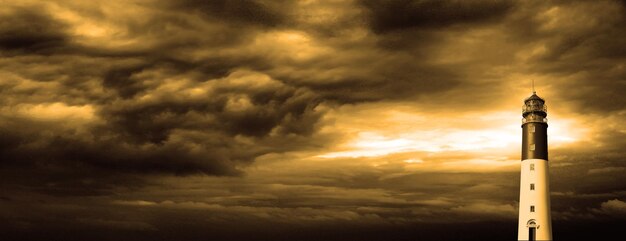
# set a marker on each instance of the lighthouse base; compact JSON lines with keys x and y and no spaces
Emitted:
{"x":534,"y":207}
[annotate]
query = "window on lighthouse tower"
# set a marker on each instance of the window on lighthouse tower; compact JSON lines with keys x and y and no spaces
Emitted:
{"x":532,"y":208}
{"x":532,"y":166}
{"x":532,"y":186}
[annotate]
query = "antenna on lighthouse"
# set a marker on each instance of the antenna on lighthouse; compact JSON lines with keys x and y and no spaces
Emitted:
{"x":533,"y":86}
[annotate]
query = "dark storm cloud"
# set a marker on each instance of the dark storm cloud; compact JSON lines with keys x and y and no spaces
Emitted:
{"x":270,"y":107}
{"x":136,"y":137}
{"x":582,"y":53}
{"x":388,"y":16}
{"x":124,"y":79}
{"x":31,"y":30}
{"x":388,"y":80}
{"x":133,"y":136}
{"x":119,"y":79}
{"x":398,"y":64}
{"x":246,"y":12}
{"x":62,"y":154}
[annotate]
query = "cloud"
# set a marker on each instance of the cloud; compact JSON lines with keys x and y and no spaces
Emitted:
{"x":245,"y":12}
{"x":162,"y":131}
{"x":613,"y":207}
{"x":53,"y":112}
{"x":507,"y":211}
{"x":606,"y":170}
{"x":576,"y":50}
{"x":118,"y":224}
{"x":388,"y":16}
{"x":31,"y":31}
{"x":101,"y":97}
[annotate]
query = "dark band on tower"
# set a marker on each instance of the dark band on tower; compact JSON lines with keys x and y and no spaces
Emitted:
{"x":535,"y":128}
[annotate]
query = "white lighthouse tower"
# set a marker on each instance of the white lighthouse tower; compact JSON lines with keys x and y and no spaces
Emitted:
{"x":535,"y":222}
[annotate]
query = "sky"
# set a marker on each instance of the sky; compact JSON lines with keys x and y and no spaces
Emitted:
{"x":305,"y":120}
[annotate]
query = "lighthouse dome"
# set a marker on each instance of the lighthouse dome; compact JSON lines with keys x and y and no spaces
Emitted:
{"x":534,"y":97}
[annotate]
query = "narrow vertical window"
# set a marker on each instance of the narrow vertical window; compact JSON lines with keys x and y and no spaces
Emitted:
{"x":532,"y":129}
{"x":532,"y":166}
{"x":532,"y":208}
{"x":532,"y":147}
{"x":532,"y":186}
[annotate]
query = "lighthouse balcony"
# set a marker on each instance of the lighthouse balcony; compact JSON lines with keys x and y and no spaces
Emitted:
{"x":534,"y":108}
{"x":534,"y":118}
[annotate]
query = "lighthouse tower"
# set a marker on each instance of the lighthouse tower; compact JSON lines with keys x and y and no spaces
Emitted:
{"x":535,"y":222}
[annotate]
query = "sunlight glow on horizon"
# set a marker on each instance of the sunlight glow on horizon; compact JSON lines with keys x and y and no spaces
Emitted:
{"x":417,"y":135}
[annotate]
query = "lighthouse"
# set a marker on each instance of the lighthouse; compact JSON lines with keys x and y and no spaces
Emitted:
{"x":534,"y":222}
